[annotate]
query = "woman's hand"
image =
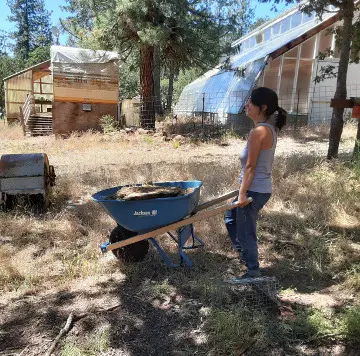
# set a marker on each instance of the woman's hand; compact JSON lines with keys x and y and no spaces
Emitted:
{"x":242,"y":200}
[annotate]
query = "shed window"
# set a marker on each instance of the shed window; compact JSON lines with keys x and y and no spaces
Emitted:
{"x":285,"y":25}
{"x":275,"y":29}
{"x":308,"y":48}
{"x":287,"y":83}
{"x":301,"y":101}
{"x":296,"y":19}
{"x":293,"y":53}
{"x":252,"y":42}
{"x":271,"y":74}
{"x":307,"y":18}
{"x":259,"y":38}
{"x":267,"y":34}
{"x":325,"y":41}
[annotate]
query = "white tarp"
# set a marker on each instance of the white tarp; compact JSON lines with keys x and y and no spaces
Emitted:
{"x":62,"y":54}
{"x":83,"y":61}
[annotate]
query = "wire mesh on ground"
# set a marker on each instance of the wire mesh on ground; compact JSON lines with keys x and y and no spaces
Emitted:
{"x":257,"y":292}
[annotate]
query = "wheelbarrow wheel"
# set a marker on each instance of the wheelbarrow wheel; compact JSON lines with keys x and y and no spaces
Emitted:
{"x":135,"y":252}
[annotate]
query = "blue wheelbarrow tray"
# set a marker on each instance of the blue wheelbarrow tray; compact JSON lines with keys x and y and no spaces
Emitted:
{"x":145,"y":215}
{"x":143,"y":220}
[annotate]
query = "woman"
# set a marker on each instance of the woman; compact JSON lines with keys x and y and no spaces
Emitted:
{"x":257,"y":159}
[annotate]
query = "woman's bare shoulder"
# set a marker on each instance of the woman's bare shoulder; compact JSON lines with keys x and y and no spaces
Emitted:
{"x":258,"y":131}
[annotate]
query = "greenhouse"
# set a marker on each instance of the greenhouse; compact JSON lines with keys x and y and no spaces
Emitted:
{"x":282,"y":55}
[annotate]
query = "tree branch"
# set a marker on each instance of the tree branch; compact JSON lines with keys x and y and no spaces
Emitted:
{"x":67,"y":30}
{"x":62,"y":332}
{"x":130,"y":49}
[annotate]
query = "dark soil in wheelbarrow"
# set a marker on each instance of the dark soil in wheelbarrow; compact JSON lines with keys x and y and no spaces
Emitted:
{"x":148,"y":192}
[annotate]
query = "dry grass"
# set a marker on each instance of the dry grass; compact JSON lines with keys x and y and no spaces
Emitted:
{"x":13,"y":132}
{"x":315,"y":206}
{"x":312,"y":198}
{"x":321,"y":132}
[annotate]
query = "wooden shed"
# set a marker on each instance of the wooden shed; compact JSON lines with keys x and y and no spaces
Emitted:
{"x":85,"y":88}
{"x":33,"y":85}
{"x":70,"y":92}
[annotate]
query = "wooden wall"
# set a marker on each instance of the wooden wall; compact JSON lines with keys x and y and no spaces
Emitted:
{"x":86,"y":83}
{"x":68,"y":117}
{"x":16,"y":89}
{"x":130,"y":110}
{"x":82,"y":97}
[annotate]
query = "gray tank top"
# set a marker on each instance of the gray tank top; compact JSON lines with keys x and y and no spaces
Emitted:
{"x":261,"y":182}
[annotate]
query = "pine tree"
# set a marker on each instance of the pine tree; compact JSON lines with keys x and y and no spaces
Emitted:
{"x":187,"y":34}
{"x":8,"y":66}
{"x":33,"y":31}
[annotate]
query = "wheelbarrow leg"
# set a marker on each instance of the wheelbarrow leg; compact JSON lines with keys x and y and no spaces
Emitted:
{"x":183,"y":235}
{"x":164,"y":256}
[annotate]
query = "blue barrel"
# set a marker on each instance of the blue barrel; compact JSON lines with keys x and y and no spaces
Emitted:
{"x":146,"y":215}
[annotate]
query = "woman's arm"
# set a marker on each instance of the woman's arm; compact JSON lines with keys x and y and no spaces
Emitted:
{"x":255,"y":141}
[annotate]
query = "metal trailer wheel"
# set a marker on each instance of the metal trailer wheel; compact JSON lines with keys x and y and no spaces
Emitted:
{"x":131,"y":253}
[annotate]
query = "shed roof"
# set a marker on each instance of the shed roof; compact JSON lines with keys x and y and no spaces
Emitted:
{"x":39,"y":66}
{"x":63,"y":54}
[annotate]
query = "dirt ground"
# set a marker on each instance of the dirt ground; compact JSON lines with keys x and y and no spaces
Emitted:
{"x":148,"y":308}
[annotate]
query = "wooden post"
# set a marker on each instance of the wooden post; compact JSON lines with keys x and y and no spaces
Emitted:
{"x":22,"y":119}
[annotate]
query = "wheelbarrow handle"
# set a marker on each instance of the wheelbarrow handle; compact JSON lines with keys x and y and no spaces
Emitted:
{"x":189,"y":220}
{"x":249,"y":199}
{"x":217,"y":200}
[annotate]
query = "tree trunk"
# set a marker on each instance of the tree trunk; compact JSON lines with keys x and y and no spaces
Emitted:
{"x":147,"y":115}
{"x":356,"y":154}
{"x":337,"y":119}
{"x":170,"y":90}
{"x":157,"y":93}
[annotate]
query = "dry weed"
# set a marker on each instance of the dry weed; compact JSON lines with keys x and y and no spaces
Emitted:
{"x":10,"y":132}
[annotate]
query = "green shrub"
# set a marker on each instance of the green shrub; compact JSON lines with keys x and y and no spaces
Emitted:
{"x":108,"y":123}
{"x":351,"y":319}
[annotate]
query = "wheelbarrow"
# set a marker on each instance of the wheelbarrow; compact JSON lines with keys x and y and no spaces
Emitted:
{"x":140,"y":221}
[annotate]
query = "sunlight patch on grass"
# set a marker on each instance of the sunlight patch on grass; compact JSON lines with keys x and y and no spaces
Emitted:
{"x":93,"y":345}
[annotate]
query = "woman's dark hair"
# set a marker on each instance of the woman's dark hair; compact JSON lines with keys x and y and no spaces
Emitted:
{"x":265,"y":96}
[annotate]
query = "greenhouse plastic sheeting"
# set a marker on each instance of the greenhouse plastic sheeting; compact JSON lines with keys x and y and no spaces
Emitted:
{"x":223,"y":91}
{"x":275,"y":43}
{"x":82,"y":61}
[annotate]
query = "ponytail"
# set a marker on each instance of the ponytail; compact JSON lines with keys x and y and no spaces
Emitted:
{"x":280,"y":118}
{"x":265,"y":96}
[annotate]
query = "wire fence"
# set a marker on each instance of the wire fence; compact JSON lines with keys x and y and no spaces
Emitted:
{"x":306,"y":108}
